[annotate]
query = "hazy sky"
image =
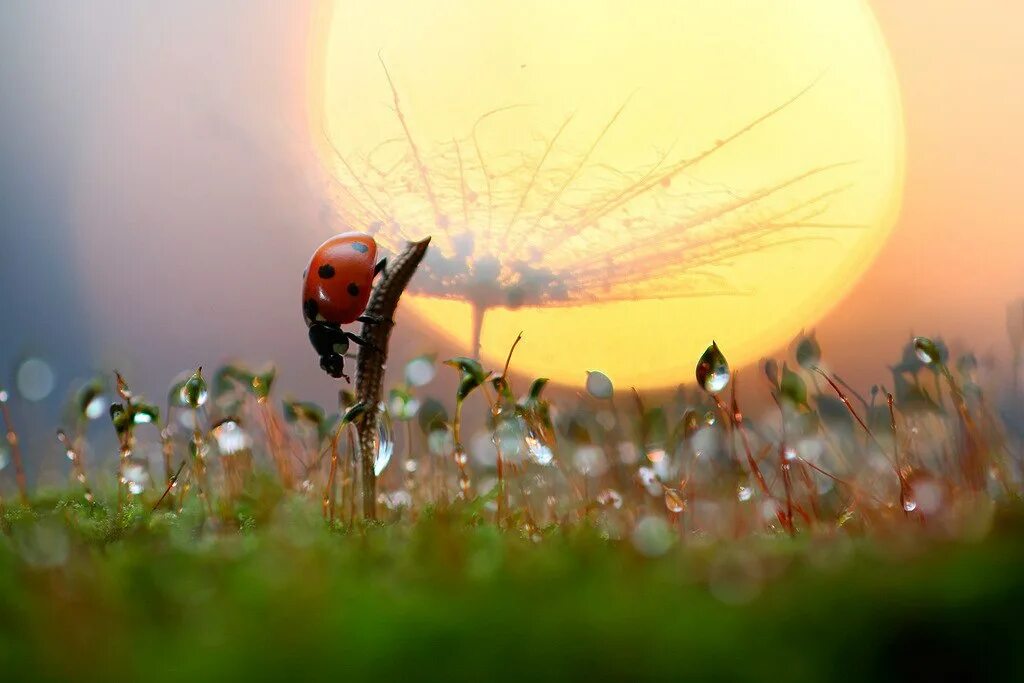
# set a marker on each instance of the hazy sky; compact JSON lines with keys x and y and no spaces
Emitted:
{"x":156,"y":166}
{"x":956,"y":256}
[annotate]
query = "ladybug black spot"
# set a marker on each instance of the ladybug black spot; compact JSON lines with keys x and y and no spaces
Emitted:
{"x":309,"y":308}
{"x":326,"y":271}
{"x":353,"y":289}
{"x":360,"y":247}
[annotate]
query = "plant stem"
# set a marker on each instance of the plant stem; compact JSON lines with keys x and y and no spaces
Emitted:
{"x":373,"y":357}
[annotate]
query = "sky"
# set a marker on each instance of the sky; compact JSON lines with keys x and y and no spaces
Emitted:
{"x":156,"y":171}
{"x":956,"y":256}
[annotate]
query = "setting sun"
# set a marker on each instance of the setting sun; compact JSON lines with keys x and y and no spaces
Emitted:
{"x":620,"y":181}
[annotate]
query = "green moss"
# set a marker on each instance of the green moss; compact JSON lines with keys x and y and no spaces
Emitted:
{"x":273,"y":593}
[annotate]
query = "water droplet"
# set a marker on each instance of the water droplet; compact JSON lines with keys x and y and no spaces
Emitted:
{"x":385,"y":442}
{"x":909,"y":505}
{"x":395,"y":499}
{"x":96,"y":407}
{"x":712,"y":370}
{"x":194,"y":392}
{"x":481,"y":447}
{"x":404,"y":407}
{"x":599,"y":385}
{"x":460,"y":457}
{"x":4,"y":396}
{"x":647,"y":475}
{"x":926,"y":350}
{"x":5,"y":456}
{"x":789,"y":454}
{"x":628,"y":453}
{"x":35,"y":379}
{"x":709,"y":418}
{"x":610,"y":497}
{"x":539,"y":451}
{"x":744,"y":493}
{"x":136,"y":477}
{"x":420,"y":371}
{"x":928,"y":494}
{"x":145,"y":413}
{"x":652,"y":536}
{"x":590,"y":461}
{"x":439,"y":441}
{"x":510,"y":435}
{"x":649,"y":480}
{"x":230,"y":437}
{"x":673,"y":501}
{"x":410,"y":466}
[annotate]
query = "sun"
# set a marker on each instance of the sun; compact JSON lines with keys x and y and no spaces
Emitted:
{"x":622,"y":182}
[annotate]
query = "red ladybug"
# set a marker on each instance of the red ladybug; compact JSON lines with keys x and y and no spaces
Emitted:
{"x":335,"y":290}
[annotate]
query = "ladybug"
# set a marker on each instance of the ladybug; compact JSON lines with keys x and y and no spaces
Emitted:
{"x":336,"y":287}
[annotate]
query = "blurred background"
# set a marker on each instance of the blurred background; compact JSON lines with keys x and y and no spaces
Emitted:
{"x":158,"y":174}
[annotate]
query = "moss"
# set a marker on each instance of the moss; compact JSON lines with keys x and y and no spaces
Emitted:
{"x":93,"y":595}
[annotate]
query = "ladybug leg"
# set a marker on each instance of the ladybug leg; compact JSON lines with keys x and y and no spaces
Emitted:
{"x":362,"y":342}
{"x":381,"y":265}
{"x":370,"y":319}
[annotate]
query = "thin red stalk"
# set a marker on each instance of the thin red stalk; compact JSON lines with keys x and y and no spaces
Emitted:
{"x":838,"y":480}
{"x":972,"y":465}
{"x":896,"y":453}
{"x":170,"y":484}
{"x":849,"y":408}
{"x":736,"y":420}
{"x":76,"y":462}
{"x":12,"y":439}
{"x":495,"y":410}
{"x":812,"y":492}
{"x":329,"y":491}
{"x":784,"y":466}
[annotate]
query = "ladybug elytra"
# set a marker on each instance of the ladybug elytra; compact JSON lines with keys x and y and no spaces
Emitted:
{"x":335,"y":290}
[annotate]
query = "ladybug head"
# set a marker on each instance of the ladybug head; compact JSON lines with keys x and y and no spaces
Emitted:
{"x":334,"y":365}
